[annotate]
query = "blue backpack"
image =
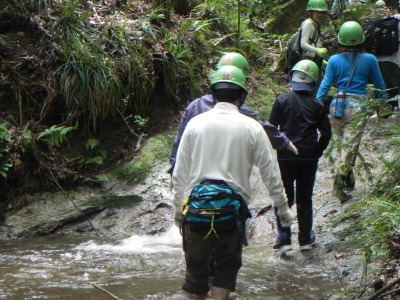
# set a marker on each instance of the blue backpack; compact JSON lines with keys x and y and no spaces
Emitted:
{"x":215,"y":206}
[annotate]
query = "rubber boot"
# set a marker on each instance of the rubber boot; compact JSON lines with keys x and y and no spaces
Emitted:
{"x":350,"y":181}
{"x":218,"y":293}
{"x":338,"y":189}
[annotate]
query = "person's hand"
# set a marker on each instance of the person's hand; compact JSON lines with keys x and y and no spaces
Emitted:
{"x":292,"y":148}
{"x":324,"y":64}
{"x":285,"y":215}
{"x":177,"y":218}
{"x":321,"y":52}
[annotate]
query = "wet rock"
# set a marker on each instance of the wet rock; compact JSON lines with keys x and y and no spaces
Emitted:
{"x":115,"y":210}
{"x":45,"y":213}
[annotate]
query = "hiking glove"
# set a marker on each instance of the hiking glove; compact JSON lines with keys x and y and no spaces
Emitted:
{"x":292,"y":148}
{"x":321,"y":52}
{"x":285,"y":215}
{"x":177,"y":218}
{"x":324,"y":64}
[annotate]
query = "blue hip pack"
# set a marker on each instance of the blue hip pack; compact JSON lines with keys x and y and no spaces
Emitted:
{"x":214,"y":205}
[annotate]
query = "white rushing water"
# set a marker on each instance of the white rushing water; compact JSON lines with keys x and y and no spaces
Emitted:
{"x":168,"y":241}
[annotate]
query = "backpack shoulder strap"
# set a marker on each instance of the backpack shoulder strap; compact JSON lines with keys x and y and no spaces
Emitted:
{"x":299,"y":41}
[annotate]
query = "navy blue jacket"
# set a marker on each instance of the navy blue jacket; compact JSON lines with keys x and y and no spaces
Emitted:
{"x":301,"y":116}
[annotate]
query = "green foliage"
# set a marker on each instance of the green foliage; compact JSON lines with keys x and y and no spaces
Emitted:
{"x":380,"y":208}
{"x":97,"y":159}
{"x":4,"y":168}
{"x":356,"y":13}
{"x":180,"y":63}
{"x":91,"y":144}
{"x":40,"y":5}
{"x":57,"y":135}
{"x":233,"y":27}
{"x":90,"y":85}
{"x":27,"y":6}
{"x":102,"y":177}
{"x":378,"y":226}
{"x":264,"y":94}
{"x":88,"y":77}
{"x":4,"y":133}
{"x":101,"y":68}
{"x":139,"y":121}
{"x":156,"y":149}
{"x":5,"y":140}
{"x":388,"y":182}
{"x":136,"y":122}
{"x":383,"y":203}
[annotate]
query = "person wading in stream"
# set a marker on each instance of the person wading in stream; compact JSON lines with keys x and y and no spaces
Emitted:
{"x":206,"y":102}
{"x":303,"y":119}
{"x":351,"y":70}
{"x":215,"y":158}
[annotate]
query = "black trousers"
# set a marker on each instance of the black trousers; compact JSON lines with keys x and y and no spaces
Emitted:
{"x":226,"y":254}
{"x":298,"y":179}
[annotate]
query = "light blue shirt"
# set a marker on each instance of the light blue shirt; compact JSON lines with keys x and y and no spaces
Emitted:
{"x":339,"y":69}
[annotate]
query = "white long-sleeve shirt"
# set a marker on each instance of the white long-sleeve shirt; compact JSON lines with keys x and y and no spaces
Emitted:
{"x":224,"y":144}
{"x":310,"y":39}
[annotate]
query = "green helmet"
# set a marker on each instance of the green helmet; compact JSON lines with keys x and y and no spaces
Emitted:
{"x":351,"y":34}
{"x":318,"y":5}
{"x":228,"y":74}
{"x":308,"y":67}
{"x":380,"y":3}
{"x":234,"y":59}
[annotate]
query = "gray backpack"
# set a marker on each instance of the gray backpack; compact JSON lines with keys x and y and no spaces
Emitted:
{"x":294,"y":52}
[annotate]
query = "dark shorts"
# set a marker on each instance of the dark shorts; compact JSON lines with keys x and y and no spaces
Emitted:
{"x":226,"y":254}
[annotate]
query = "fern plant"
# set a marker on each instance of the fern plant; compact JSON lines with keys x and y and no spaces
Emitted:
{"x":57,"y":135}
{"x":98,"y":159}
{"x":382,"y":221}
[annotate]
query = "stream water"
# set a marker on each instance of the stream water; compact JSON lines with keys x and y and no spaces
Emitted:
{"x":147,"y":267}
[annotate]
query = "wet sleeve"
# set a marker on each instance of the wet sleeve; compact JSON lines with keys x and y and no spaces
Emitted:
{"x":265,"y":159}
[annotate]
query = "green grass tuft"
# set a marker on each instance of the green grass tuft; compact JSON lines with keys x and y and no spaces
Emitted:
{"x":156,"y":149}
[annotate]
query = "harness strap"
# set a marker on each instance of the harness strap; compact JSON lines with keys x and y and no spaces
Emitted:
{"x":212,"y":230}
